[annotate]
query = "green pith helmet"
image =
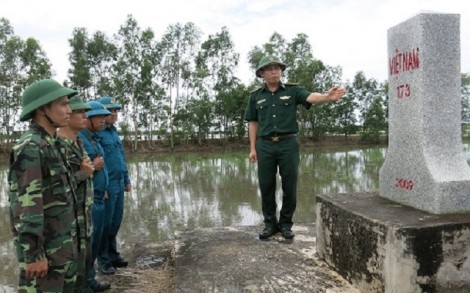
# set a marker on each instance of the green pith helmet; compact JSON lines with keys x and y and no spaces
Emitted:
{"x":76,"y":103}
{"x":96,"y":109}
{"x":109,"y":103}
{"x":268,"y":60}
{"x":41,"y":93}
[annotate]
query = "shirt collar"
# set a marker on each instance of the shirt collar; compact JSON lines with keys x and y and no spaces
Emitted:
{"x":281,"y":86}
{"x":87,"y":133}
{"x":50,"y":139}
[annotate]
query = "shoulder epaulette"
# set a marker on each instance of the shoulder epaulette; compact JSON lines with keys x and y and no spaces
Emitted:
{"x":291,"y":83}
{"x":258,"y":88}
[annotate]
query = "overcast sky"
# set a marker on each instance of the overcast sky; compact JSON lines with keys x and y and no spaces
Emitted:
{"x":348,"y":33}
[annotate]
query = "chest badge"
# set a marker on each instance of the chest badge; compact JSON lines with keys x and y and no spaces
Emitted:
{"x":284,"y":97}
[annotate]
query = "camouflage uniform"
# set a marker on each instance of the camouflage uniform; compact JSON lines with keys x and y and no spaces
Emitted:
{"x":84,"y":192}
{"x":43,"y":211}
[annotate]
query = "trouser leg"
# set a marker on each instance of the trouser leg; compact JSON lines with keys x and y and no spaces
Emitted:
{"x":289,"y":170}
{"x":116,"y":225}
{"x":104,"y":260}
{"x":267,"y":170}
{"x":98,"y":211}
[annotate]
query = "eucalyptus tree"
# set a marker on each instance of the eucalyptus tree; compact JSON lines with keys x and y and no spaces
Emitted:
{"x":465,"y":89}
{"x":36,"y":65}
{"x":79,"y":73}
{"x":235,"y":106}
{"x":375,"y":121}
{"x":133,"y":75}
{"x":371,"y":98}
{"x":91,"y":61}
{"x":101,"y":53}
{"x":364,"y":91}
{"x":197,"y":118}
{"x":178,"y":47}
{"x":346,"y":116}
{"x":342,"y":116}
{"x":310,"y":73}
{"x":321,"y":120}
{"x":10,"y":71}
{"x":216,"y":63}
{"x":21,"y":62}
{"x":276,"y":46}
{"x":313,"y":75}
{"x":302,"y":67}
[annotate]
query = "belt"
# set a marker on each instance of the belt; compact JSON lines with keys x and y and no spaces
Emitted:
{"x":277,"y":138}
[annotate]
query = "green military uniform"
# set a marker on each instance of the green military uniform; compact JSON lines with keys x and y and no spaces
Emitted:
{"x":84,"y":193}
{"x":83,"y":186}
{"x":42,"y":211}
{"x":42,"y":205}
{"x":277,"y":146}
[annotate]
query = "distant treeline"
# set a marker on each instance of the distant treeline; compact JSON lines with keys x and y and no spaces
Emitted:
{"x":181,"y":88}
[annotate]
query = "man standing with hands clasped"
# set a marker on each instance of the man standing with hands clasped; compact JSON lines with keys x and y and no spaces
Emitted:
{"x":272,"y":124}
{"x":119,"y":182}
{"x":91,"y":143}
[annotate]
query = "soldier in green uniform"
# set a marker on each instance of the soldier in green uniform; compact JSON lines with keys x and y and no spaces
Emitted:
{"x":42,"y":206}
{"x":272,"y":124}
{"x":82,"y":168}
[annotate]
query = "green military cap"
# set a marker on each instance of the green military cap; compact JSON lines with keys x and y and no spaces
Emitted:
{"x":76,"y":103}
{"x":41,"y":93}
{"x":268,"y":60}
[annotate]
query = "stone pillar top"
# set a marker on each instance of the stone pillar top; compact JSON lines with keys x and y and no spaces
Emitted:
{"x":425,"y":166}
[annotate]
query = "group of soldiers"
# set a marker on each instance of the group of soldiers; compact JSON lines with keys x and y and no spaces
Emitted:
{"x":57,"y":178}
{"x":67,"y":177}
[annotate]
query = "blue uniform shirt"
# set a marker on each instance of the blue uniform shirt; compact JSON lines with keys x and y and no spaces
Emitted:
{"x":91,"y":143}
{"x":115,"y":156}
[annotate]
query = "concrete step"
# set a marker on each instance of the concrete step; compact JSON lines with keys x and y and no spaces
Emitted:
{"x":233,"y":259}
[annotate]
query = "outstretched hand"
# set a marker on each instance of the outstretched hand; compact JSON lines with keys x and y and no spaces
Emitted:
{"x":335,"y":93}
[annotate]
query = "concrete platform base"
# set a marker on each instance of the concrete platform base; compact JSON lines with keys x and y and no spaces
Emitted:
{"x":234,"y":260}
{"x":382,"y":246}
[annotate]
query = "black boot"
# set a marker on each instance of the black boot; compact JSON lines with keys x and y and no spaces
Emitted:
{"x":287,"y":233}
{"x":268,"y":232}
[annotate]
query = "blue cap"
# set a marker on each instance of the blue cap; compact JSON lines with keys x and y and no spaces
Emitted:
{"x":97,"y":109}
{"x":109,"y":103}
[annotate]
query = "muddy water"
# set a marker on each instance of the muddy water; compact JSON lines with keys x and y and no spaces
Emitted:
{"x":182,"y":191}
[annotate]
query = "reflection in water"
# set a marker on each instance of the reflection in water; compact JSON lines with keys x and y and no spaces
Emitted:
{"x":184,"y":191}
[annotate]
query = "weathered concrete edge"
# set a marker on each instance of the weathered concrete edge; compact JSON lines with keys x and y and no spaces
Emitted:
{"x":381,"y":246}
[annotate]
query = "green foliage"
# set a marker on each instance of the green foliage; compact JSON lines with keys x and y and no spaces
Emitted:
{"x":465,"y":89}
{"x":80,"y":72}
{"x":374,"y":122}
{"x":183,"y":87}
{"x":21,"y":62}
